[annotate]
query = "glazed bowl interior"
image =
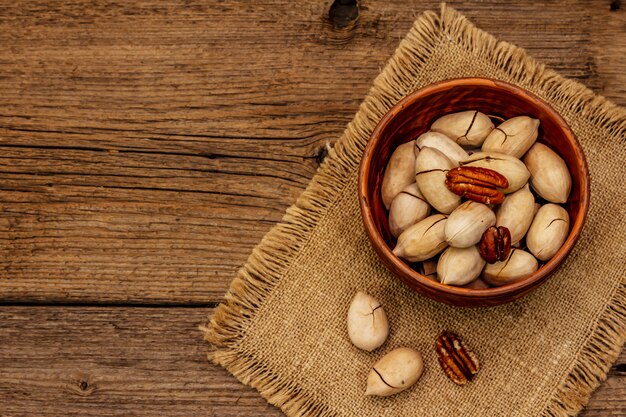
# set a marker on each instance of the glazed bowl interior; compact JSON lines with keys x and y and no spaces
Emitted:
{"x":413,"y":116}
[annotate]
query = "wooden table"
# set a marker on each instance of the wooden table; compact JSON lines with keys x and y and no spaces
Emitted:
{"x":147,"y":147}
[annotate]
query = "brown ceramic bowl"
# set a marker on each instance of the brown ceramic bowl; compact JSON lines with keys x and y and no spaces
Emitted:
{"x":413,"y":116}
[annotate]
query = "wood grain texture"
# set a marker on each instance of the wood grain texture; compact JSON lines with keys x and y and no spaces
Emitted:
{"x":61,"y":361}
{"x":146,"y":148}
{"x":117,"y":362}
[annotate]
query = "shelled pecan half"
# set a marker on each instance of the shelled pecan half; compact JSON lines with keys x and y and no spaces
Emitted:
{"x":477,"y":184}
{"x":495,"y":245}
{"x":457,"y":361}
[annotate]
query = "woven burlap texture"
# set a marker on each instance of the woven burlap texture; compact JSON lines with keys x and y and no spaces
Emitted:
{"x":282,"y":327}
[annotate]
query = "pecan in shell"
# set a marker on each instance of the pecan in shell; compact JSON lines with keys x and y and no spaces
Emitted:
{"x":495,"y":245}
{"x":477,"y":184}
{"x":457,"y":361}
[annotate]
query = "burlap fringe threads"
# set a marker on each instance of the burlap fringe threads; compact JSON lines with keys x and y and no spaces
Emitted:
{"x":280,"y":247}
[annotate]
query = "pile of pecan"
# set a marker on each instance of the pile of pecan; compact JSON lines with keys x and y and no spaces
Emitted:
{"x":463,"y":200}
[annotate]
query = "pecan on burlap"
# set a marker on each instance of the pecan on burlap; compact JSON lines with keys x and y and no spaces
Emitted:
{"x":458,"y":363}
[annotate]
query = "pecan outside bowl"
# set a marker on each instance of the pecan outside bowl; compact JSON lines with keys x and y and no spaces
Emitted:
{"x":413,"y":116}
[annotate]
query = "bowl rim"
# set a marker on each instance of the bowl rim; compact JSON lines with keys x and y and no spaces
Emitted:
{"x":477,"y":294}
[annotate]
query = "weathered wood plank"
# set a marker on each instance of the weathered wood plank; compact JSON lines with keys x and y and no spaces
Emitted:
{"x":114,"y":362}
{"x":609,"y":50}
{"x":146,"y":148}
{"x":141,"y":361}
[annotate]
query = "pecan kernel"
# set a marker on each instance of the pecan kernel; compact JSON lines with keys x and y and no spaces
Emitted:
{"x":495,"y":245}
{"x":477,"y":184}
{"x":480,"y":176}
{"x":457,"y":361}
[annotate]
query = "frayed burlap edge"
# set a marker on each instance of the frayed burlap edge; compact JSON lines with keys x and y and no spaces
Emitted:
{"x":271,"y":259}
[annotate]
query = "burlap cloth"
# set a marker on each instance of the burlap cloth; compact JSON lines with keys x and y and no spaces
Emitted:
{"x":282,"y":328}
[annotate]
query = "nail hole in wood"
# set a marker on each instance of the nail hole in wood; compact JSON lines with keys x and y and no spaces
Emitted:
{"x":82,"y":387}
